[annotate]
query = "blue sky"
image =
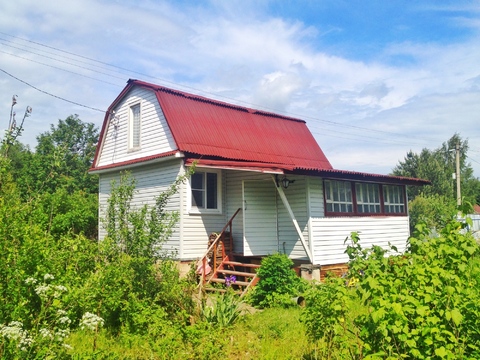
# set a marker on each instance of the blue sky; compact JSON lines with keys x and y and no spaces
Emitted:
{"x":373,"y":79}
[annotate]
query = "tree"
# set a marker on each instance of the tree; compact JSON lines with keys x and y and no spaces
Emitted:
{"x":438,"y":166}
{"x":435,"y":204}
{"x":65,"y":153}
{"x":55,"y":177}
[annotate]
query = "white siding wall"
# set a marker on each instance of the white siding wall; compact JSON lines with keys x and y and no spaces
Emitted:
{"x":296,"y":195}
{"x":155,"y":136}
{"x":196,"y":228}
{"x":151,"y":181}
{"x":329,"y":233}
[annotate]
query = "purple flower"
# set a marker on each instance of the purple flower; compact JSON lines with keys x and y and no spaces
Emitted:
{"x":229,"y":280}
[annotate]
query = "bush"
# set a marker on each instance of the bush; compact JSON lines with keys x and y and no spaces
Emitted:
{"x":422,"y":304}
{"x":278,"y":283}
{"x":433,"y":210}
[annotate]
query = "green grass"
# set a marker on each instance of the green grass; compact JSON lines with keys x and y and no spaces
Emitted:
{"x":268,"y":334}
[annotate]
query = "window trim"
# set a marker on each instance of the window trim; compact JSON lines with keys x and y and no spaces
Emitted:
{"x":355,"y":212}
{"x":195,"y":210}
{"x":131,"y":125}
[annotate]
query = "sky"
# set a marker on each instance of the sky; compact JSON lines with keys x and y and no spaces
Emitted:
{"x":373,"y":79}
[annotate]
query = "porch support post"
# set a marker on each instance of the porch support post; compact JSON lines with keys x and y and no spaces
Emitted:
{"x":292,"y":216}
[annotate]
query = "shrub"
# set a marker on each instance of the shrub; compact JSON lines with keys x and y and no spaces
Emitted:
{"x":421,"y":303}
{"x":328,"y":316}
{"x":278,"y":283}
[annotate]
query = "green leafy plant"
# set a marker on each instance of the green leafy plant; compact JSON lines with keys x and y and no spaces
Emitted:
{"x":278,"y":283}
{"x":418,"y":301}
{"x":225,"y":310}
{"x":44,"y":334}
{"x":329,"y":316}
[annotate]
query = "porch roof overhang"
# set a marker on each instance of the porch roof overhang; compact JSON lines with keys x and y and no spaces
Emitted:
{"x":334,"y":174}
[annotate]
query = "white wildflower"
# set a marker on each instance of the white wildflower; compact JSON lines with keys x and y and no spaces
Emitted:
{"x":14,"y":331}
{"x":61,"y":334}
{"x":59,"y":289}
{"x":46,"y":333}
{"x":61,"y":312}
{"x":64,"y":320}
{"x":42,"y":290}
{"x":48,"y":277}
{"x":25,"y":342}
{"x":91,"y":321}
{"x":68,"y":347}
{"x":30,"y":280}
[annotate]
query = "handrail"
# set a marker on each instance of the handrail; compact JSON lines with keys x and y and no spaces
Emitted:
{"x":214,"y":243}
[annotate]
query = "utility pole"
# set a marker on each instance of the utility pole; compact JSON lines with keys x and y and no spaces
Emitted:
{"x":457,"y":173}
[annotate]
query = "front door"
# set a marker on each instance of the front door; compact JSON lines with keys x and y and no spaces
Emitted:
{"x":259,"y":218}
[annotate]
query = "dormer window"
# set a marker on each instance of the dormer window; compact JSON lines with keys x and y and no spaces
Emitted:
{"x":134,"y":127}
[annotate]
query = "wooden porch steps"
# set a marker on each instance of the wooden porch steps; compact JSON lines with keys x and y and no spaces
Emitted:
{"x":240,"y":264}
{"x":244,"y":273}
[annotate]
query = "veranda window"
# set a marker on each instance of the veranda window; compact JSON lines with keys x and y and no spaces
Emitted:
{"x":338,"y":195}
{"x":362,"y":199}
{"x":368,"y":198}
{"x":393,"y":198}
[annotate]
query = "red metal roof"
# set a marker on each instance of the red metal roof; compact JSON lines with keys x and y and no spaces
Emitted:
{"x":212,"y":128}
{"x":222,"y":134}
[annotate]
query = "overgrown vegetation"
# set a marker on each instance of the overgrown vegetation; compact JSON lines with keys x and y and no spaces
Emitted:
{"x":63,"y":295}
{"x":422,"y":304}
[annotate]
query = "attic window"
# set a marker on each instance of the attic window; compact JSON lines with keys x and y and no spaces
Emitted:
{"x":134,"y":128}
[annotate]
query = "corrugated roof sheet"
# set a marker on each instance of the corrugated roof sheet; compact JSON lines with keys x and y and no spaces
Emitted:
{"x":212,"y":128}
{"x":222,"y":134}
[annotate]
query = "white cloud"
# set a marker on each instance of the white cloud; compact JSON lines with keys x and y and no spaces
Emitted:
{"x":411,"y":95}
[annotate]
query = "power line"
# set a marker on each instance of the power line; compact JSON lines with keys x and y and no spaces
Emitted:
{"x":58,"y":68}
{"x":472,"y":159}
{"x":50,"y":94}
{"x":329,"y":122}
{"x":337,"y":125}
{"x":60,"y":61}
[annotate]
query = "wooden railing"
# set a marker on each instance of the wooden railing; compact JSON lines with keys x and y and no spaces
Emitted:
{"x":213,"y":248}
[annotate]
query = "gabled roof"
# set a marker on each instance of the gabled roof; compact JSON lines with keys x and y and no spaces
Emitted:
{"x":219,"y":134}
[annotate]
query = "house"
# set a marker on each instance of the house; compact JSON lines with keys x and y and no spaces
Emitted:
{"x":264,"y":168}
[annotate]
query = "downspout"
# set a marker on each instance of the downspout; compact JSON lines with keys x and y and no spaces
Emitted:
{"x":294,"y":220}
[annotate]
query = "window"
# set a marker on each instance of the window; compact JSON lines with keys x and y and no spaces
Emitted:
{"x":338,"y":195}
{"x":205,"y":191}
{"x":134,"y":128}
{"x":361,"y":199}
{"x":393,"y":199}
{"x":368,"y":198}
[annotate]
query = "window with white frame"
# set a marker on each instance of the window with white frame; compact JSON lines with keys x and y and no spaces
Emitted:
{"x":393,"y":199}
{"x":135,"y":127}
{"x":205,"y":195}
{"x":368,"y":198}
{"x":338,"y":196}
